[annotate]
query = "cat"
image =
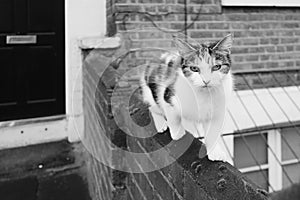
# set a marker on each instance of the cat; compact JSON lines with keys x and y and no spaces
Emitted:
{"x":187,"y":92}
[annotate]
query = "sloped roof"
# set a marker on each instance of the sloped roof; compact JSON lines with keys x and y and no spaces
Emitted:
{"x":257,"y":104}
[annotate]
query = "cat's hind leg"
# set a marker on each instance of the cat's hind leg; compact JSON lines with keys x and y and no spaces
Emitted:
{"x":216,"y":151}
{"x":213,"y":142}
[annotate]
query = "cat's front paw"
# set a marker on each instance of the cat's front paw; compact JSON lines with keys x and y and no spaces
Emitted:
{"x":216,"y":151}
{"x":159,"y":122}
{"x":176,"y":132}
{"x":214,"y":157}
{"x":217,"y":155}
{"x":162,"y":127}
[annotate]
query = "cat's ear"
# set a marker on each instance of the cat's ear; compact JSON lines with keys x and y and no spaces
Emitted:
{"x":182,"y":46}
{"x":224,"y":44}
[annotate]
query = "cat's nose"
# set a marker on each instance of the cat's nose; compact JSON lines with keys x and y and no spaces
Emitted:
{"x":206,"y":82}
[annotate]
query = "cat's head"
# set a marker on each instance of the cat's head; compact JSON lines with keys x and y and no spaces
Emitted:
{"x":205,"y":65}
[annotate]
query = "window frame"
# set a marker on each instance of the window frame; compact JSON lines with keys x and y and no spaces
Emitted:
{"x":275,"y":163}
{"x":268,"y":166}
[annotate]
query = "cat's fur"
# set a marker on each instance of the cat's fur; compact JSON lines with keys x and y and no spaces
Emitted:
{"x":188,"y":91}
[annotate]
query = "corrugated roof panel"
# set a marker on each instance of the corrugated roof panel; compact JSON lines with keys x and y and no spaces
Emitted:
{"x":229,"y":126}
{"x":270,"y":105}
{"x":255,"y":109}
{"x":265,"y":107}
{"x":239,"y":114}
{"x":294,"y":93}
{"x":283,"y":97}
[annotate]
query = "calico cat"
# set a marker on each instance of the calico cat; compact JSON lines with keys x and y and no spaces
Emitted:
{"x":190,"y":90}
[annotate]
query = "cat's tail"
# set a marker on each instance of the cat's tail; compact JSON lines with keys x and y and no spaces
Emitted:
{"x":171,"y":59}
{"x":144,"y":84}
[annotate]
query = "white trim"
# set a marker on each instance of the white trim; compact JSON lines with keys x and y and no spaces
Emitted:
{"x":251,"y":133}
{"x":275,"y":3}
{"x":23,"y":135}
{"x":273,"y":166}
{"x":275,"y":169}
{"x":290,"y":162}
{"x":228,"y":146}
{"x":84,"y":18}
{"x":254,"y":168}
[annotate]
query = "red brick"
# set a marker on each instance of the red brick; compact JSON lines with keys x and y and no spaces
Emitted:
{"x":289,"y":40}
{"x":252,"y":58}
{"x":253,"y":41}
{"x":264,"y":41}
{"x":289,"y":48}
{"x":237,"y":17}
{"x":192,"y":190}
{"x":292,"y":17}
{"x":238,"y":58}
{"x":161,"y":186}
{"x":177,"y":177}
{"x":256,"y":50}
{"x":200,"y":34}
{"x":290,"y":25}
{"x":149,"y":8}
{"x":218,"y":26}
{"x":151,"y":1}
{"x":264,"y":57}
{"x":274,"y":41}
{"x":120,"y":1}
{"x":128,"y":8}
{"x":200,"y":2}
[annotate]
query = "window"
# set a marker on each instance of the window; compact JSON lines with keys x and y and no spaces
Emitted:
{"x":269,"y":159}
{"x":251,"y":157}
{"x":290,"y":143}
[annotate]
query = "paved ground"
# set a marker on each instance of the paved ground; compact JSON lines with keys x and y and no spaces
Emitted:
{"x":42,"y":172}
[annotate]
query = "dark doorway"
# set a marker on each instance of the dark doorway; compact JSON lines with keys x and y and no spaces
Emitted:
{"x":32,"y":68}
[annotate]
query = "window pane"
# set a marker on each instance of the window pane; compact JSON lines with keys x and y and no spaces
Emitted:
{"x":293,"y":172}
{"x":260,"y":178}
{"x":258,"y":147}
{"x":292,"y":137}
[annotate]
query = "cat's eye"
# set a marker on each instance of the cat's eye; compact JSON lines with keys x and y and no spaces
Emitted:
{"x":216,"y":67}
{"x":194,"y":69}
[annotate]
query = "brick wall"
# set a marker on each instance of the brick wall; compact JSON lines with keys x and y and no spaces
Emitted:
{"x":265,"y":37}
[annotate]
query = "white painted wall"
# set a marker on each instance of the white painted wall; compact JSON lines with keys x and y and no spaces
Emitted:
{"x":84,"y":18}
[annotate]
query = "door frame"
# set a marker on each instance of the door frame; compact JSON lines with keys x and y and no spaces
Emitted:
{"x":69,"y":126}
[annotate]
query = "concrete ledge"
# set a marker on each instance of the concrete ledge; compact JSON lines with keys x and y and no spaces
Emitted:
{"x":99,"y":42}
